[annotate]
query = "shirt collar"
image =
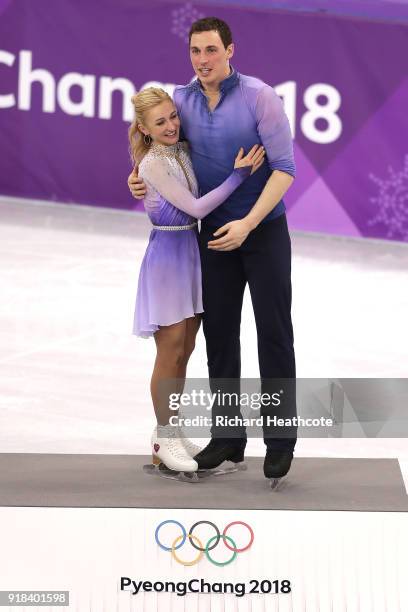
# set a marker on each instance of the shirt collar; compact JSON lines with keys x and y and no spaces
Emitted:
{"x":228,"y":83}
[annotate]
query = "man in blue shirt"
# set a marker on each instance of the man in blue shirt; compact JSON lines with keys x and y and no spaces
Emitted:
{"x":245,"y":240}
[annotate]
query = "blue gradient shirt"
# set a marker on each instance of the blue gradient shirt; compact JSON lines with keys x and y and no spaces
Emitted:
{"x":248,"y":112}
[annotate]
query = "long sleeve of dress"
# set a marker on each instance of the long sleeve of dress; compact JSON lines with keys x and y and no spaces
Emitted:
{"x":158,"y":174}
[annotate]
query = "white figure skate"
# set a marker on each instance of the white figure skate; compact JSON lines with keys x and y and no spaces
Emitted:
{"x":191,"y":448}
{"x":169,"y":457}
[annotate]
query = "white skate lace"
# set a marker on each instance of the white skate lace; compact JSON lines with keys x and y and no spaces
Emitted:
{"x":188,"y":444}
{"x":173,"y":446}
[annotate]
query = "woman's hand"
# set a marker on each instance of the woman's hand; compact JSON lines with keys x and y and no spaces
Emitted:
{"x":254,"y":158}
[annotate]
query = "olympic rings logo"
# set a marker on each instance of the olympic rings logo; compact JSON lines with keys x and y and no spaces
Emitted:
{"x":198,"y":545}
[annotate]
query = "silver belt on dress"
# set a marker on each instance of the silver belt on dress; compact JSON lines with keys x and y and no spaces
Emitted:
{"x":173,"y":228}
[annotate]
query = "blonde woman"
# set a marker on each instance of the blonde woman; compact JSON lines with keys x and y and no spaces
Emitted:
{"x":169,"y":300}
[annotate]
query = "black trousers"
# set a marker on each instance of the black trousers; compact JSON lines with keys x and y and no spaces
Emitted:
{"x":264,"y":262}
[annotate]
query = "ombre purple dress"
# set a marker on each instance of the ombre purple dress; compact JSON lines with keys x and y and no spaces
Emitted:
{"x":169,"y":287}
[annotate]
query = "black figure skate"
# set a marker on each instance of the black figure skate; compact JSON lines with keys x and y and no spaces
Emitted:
{"x":276,"y":465}
{"x":216,"y":452}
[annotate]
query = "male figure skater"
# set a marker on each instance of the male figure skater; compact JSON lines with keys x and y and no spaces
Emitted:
{"x":245,"y":240}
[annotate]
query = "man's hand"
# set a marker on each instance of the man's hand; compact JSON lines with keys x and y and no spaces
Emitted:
{"x":136,"y":185}
{"x":236,"y":233}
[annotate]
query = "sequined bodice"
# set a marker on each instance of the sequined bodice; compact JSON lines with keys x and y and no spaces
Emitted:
{"x":175,"y":161}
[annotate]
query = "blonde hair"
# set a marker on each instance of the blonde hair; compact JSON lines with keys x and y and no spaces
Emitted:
{"x":143,"y":102}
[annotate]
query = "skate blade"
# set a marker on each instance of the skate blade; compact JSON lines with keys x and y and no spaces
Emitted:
{"x":163,"y":472}
{"x":149,"y":468}
{"x":235,"y":467}
{"x":277,"y":484}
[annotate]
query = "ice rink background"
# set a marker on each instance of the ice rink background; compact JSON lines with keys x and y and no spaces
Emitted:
{"x":74,"y":379}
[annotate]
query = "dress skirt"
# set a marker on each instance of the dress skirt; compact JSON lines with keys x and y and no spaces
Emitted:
{"x":169,"y":288}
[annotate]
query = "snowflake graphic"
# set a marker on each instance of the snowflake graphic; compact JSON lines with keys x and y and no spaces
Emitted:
{"x":392,"y":202}
{"x":182,"y":18}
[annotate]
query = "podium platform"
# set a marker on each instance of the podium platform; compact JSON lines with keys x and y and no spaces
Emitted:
{"x":118,"y":481}
{"x":336,"y":533}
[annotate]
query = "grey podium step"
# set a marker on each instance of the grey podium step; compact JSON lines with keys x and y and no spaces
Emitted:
{"x":118,"y":481}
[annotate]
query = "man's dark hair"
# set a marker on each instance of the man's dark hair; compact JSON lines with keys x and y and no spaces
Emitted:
{"x":212,"y":23}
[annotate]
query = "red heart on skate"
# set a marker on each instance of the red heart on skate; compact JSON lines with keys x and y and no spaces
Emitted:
{"x":156,"y":447}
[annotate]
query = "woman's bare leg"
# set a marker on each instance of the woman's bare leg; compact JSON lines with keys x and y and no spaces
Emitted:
{"x":170,"y":343}
{"x":192,"y":327}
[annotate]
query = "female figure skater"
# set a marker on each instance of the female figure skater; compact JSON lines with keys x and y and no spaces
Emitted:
{"x":169,"y":301}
